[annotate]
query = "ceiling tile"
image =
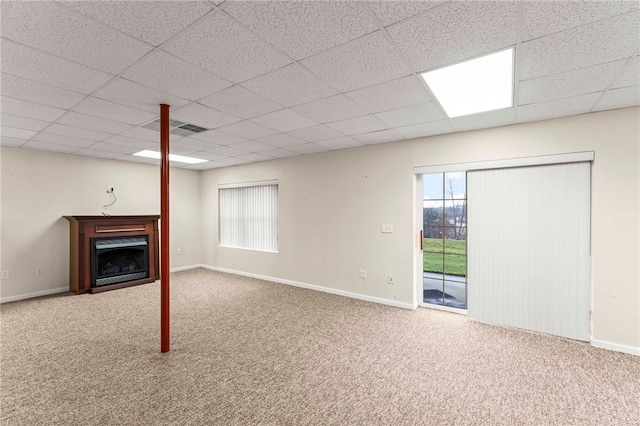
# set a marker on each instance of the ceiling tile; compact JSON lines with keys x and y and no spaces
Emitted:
{"x":308,"y":148}
{"x":92,"y":123}
{"x":581,"y":47}
{"x":134,"y":95}
{"x":111,"y":147}
{"x":568,"y":84}
{"x":502,"y":117}
{"x":426,"y":129}
{"x":203,"y":166}
{"x":217,"y":138}
{"x":220,"y":45}
{"x":456,"y":31}
{"x":248,"y":130}
{"x":112,"y":111}
{"x":339,"y":143}
{"x":227,"y":151}
{"x":390,"y":12}
{"x":383,"y":136}
{"x":281,"y":140}
{"x":208,"y":155}
{"x":620,"y":98}
{"x":194,"y":144}
{"x":301,"y":29}
{"x":335,"y":108}
{"x":76,"y":132}
{"x":12,"y":132}
{"x":165,"y":72}
{"x":39,"y":66}
{"x":139,"y":144}
{"x":354,"y":126}
{"x":40,"y":93}
{"x":253,"y":157}
{"x":87,"y":152}
{"x":203,"y":116}
{"x":251,"y":146}
{"x":144,"y":134}
{"x":51,"y":27}
{"x":316,"y":133}
{"x":240,"y":102}
{"x":363,"y":62}
{"x":151,"y":21}
{"x":415,"y":114}
{"x":544,"y":18}
{"x":142,"y":160}
{"x":9,"y":120}
{"x":29,"y":109}
{"x":62,"y":140}
{"x":234,"y":161}
{"x":558,"y":108}
{"x":405,"y":91}
{"x":630,"y":75}
{"x":284,"y":120}
{"x":9,"y":141}
{"x":45,"y":146}
{"x":290,"y":85}
{"x":279,"y":153}
{"x":179,"y":150}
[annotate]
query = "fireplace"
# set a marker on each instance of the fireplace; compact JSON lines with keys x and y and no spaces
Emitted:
{"x":119,"y":259}
{"x":111,"y":252}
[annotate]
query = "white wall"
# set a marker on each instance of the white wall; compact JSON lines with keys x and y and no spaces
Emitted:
{"x":331,"y":209}
{"x":332,"y":205}
{"x":39,"y":188}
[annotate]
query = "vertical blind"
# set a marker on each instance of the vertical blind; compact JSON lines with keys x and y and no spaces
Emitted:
{"x":249,"y":217}
{"x":528,"y":248}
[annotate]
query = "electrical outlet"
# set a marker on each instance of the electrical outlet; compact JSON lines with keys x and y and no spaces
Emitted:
{"x":5,"y":275}
{"x":179,"y":250}
{"x":362,"y":273}
{"x":39,"y":272}
{"x":386,"y":229}
{"x":109,"y":189}
{"x":391,"y":279}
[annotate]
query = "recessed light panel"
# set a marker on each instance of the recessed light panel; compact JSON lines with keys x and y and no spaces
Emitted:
{"x":172,"y":157}
{"x":479,"y":85}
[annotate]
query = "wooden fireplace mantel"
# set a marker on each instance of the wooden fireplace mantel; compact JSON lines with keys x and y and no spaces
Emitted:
{"x":83,"y":228}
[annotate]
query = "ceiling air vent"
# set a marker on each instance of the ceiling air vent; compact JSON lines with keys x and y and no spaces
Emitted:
{"x":176,"y":127}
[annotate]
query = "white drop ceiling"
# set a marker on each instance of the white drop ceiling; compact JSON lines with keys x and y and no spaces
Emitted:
{"x":276,"y":79}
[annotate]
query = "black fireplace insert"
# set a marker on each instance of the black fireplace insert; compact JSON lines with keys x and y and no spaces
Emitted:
{"x":119,"y":259}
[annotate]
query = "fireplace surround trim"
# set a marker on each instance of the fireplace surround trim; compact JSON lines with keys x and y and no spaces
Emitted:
{"x":83,"y":228}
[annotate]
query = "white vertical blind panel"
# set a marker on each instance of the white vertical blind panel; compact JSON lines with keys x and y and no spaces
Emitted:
{"x":528,"y":248}
{"x":249,"y":217}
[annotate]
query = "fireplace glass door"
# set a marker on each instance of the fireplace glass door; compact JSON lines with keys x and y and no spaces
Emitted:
{"x":119,"y":259}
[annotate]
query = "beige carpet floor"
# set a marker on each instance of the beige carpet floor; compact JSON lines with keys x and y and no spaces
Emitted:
{"x":248,"y":352}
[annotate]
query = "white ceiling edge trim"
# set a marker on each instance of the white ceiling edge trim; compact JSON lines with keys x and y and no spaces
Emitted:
{"x":247,"y":184}
{"x":573,"y":157}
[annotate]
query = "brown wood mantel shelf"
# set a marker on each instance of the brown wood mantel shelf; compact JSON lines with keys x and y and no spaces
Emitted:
{"x":84,"y":228}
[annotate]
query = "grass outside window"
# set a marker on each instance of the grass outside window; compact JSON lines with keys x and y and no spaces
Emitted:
{"x":445,"y":256}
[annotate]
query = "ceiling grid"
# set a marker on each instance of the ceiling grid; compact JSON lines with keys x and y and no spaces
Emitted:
{"x":281,"y":79}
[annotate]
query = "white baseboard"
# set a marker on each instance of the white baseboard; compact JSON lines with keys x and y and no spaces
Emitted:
{"x":185,"y":268}
{"x":614,"y":346}
{"x":65,"y":289}
{"x":316,"y":288}
{"x":32,"y":295}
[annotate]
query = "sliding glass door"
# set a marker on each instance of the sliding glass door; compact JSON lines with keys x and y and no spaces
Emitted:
{"x":445,"y":235}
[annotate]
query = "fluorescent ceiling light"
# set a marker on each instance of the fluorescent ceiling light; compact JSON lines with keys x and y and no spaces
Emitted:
{"x":478,"y":85}
{"x":172,"y":157}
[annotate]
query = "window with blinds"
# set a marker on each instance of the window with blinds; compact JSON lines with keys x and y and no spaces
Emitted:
{"x":248,"y":215}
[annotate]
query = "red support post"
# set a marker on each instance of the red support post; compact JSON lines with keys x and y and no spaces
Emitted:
{"x":164,"y":230}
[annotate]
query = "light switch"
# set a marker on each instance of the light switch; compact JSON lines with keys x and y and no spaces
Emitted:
{"x":387,"y":229}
